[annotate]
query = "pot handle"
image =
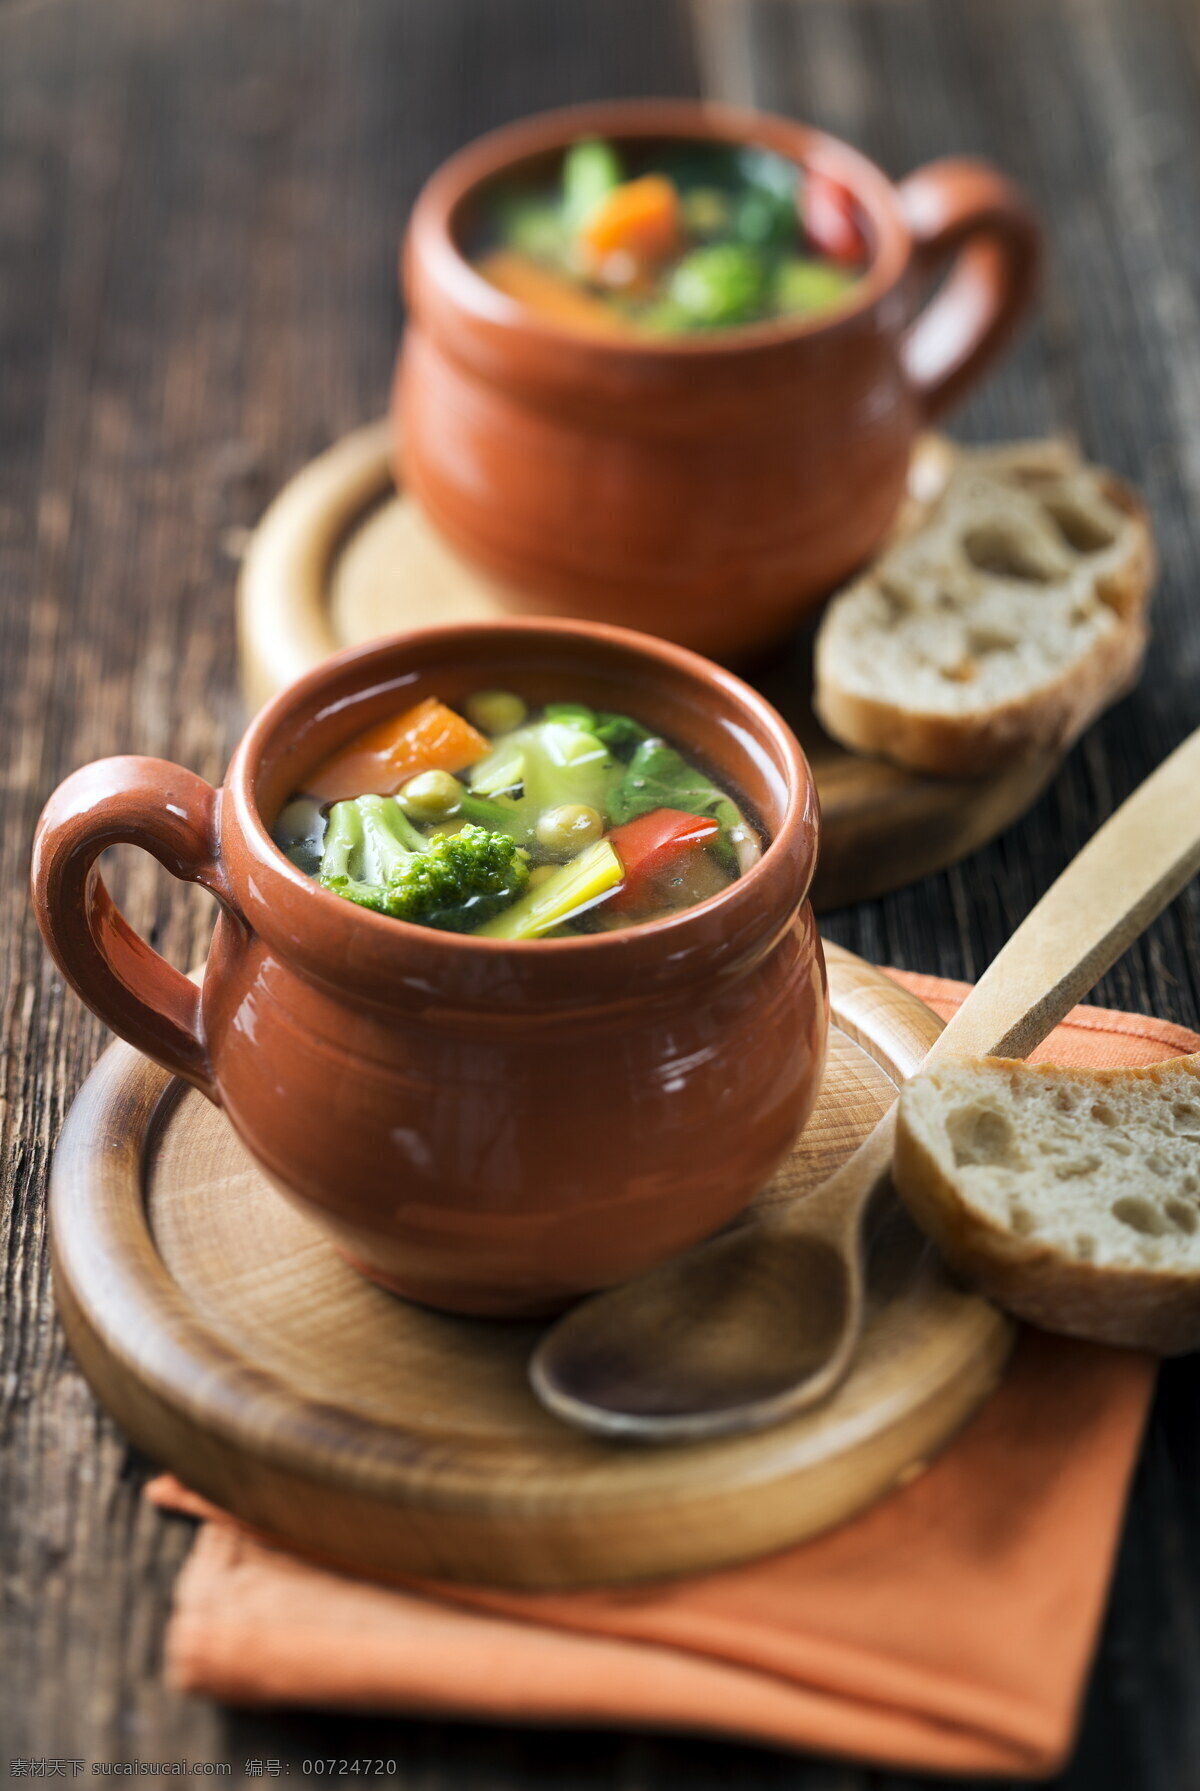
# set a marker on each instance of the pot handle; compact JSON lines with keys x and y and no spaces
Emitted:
{"x":966,"y":209}
{"x":172,"y":814}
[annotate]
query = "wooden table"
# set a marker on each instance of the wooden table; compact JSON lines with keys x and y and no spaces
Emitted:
{"x":199,"y":207}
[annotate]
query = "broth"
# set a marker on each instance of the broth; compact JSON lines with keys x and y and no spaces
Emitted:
{"x":693,"y":236}
{"x":516,"y":823}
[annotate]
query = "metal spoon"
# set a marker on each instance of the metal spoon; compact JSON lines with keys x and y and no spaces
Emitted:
{"x":762,"y":1321}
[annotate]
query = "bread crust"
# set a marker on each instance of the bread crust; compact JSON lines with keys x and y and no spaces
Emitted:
{"x":1133,"y":1307}
{"x":1046,"y":719}
{"x":1049,"y":720}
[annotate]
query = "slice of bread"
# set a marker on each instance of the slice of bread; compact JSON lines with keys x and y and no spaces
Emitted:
{"x":1070,"y":1197}
{"x":1009,"y":612}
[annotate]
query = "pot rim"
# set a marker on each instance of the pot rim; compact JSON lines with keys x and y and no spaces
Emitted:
{"x":431,"y":235}
{"x":289,"y":909}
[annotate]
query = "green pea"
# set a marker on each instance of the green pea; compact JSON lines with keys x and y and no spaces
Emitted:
{"x":430,"y":796}
{"x":706,"y":211}
{"x":495,"y":711}
{"x":569,"y":828}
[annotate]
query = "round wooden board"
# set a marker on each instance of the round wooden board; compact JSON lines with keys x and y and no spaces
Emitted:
{"x":341,"y":557}
{"x":237,"y":1348}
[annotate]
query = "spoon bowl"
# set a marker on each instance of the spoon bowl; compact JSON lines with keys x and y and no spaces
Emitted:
{"x":762,"y":1321}
{"x":744,"y":1322}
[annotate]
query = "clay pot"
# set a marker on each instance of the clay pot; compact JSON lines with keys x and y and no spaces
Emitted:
{"x":711,"y":488}
{"x":485,"y":1126}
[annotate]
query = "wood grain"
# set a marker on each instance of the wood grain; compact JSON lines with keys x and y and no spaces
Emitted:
{"x":625,"y":1364}
{"x":240,"y":1350}
{"x":198,"y":208}
{"x":341,"y":557}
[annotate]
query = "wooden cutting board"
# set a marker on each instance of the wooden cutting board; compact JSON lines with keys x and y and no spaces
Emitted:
{"x":238,"y":1349}
{"x":342,"y":557}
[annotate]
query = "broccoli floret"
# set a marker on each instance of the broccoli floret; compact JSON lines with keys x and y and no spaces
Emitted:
{"x":368,"y":840}
{"x":722,"y":283}
{"x":456,"y":883}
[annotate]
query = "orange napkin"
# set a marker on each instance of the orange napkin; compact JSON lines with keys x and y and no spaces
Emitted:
{"x":950,"y":1628}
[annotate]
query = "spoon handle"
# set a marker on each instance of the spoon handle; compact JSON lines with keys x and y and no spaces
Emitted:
{"x":1125,"y":876}
{"x":594,"y":1366}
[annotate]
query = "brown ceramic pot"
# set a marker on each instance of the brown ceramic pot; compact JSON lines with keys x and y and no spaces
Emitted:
{"x":484,"y":1126}
{"x":709,"y":488}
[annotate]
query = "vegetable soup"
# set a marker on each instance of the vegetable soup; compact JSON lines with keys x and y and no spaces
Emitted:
{"x":696,"y":236}
{"x":513,"y":823}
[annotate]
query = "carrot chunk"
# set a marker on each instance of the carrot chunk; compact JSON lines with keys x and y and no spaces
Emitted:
{"x":428,"y":737}
{"x":552,"y":294}
{"x":641,"y":217}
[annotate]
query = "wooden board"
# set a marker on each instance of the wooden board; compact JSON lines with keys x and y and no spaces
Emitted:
{"x":237,"y":1348}
{"x":200,"y":224}
{"x":341,"y":557}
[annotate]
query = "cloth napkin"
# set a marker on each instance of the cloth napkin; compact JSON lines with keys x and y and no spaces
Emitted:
{"x":950,"y":1628}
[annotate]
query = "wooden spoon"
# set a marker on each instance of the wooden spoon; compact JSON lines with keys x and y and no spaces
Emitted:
{"x":764,"y":1319}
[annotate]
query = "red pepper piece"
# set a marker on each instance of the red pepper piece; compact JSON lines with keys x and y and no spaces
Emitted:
{"x":830,"y":222}
{"x":650,"y":847}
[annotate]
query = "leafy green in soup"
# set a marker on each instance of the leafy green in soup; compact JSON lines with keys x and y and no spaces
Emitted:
{"x":685,"y":238}
{"x":516,"y":824}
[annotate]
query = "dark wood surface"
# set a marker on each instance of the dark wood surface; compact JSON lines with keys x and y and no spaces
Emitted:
{"x":198,"y":212}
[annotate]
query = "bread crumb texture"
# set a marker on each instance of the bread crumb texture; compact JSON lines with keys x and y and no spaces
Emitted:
{"x":1108,"y":1172}
{"x":1007,"y":619}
